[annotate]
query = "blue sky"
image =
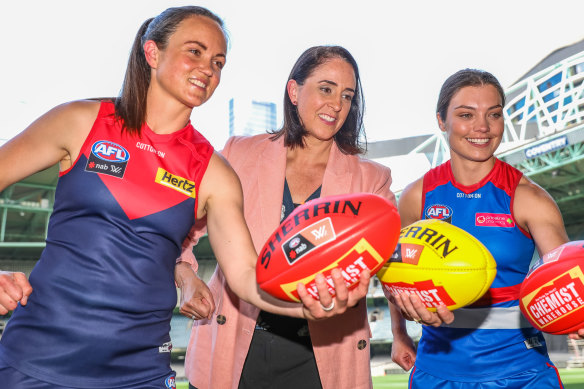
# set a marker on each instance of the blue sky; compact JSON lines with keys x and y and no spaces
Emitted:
{"x":60,"y":50}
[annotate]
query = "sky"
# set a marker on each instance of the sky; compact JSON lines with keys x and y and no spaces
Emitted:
{"x":55,"y":51}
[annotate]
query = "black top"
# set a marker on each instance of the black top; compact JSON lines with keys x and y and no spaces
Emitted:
{"x":289,"y":327}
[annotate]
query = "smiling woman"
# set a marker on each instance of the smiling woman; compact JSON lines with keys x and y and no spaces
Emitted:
{"x":487,"y":344}
{"x":314,"y":154}
{"x":97,"y":309}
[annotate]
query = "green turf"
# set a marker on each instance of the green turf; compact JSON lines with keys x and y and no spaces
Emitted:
{"x":573,"y":379}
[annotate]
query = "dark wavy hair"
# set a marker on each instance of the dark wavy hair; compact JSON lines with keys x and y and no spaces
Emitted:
{"x":131,"y":103}
{"x":461,"y":79}
{"x":348,"y":137}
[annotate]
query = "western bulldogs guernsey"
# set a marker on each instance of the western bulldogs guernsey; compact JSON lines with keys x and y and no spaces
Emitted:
{"x":491,"y":339}
{"x":104,"y":291}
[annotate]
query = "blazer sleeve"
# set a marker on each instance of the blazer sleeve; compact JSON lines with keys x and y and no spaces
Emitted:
{"x":382,"y":182}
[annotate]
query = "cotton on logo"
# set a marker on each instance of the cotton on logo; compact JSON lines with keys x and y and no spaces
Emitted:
{"x":319,"y":233}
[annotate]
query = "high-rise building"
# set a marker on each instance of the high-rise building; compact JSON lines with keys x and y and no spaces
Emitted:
{"x":250,"y":117}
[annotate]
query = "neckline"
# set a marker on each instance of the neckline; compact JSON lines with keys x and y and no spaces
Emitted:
{"x":479,"y":184}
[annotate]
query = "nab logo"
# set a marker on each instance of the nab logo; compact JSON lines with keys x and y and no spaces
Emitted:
{"x":308,"y":239}
{"x":110,"y":151}
{"x":439,"y":212}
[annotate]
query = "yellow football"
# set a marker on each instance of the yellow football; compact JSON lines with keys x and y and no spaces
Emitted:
{"x":441,"y":263}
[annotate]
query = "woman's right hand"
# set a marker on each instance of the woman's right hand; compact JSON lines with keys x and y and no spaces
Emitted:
{"x":413,"y":309}
{"x":328,"y":305}
{"x":14,"y":289}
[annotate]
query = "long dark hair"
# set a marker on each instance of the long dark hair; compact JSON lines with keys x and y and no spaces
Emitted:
{"x":131,"y":103}
{"x":461,"y":79}
{"x":348,"y":137}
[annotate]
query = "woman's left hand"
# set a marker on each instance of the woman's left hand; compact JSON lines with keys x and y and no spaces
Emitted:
{"x":196,"y":300}
{"x":328,"y":305}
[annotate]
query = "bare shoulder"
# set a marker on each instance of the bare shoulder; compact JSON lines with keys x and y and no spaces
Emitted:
{"x":55,"y":137}
{"x":74,"y":112}
{"x":68,"y":124}
{"x":528,"y":192}
{"x":220,"y":182}
{"x":537,"y":212}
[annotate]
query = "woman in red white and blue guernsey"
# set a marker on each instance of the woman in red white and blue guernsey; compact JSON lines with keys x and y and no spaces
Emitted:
{"x":489,"y":344}
{"x":134,"y":176}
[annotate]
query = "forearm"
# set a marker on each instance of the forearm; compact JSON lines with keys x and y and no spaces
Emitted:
{"x":398,"y":323}
{"x":246,"y":288}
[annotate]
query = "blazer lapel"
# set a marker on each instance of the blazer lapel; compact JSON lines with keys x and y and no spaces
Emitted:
{"x":271,"y":171}
{"x":338,"y":174}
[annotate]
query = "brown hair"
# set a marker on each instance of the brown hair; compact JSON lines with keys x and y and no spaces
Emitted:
{"x":347,"y":138}
{"x":131,"y":103}
{"x":461,"y":79}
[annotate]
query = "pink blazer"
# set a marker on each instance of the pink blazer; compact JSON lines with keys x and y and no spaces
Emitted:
{"x":218,"y":347}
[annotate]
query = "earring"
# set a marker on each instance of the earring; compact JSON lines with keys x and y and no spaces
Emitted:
{"x":295,"y":102}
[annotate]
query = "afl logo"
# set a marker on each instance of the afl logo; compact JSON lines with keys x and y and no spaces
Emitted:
{"x":439,"y":212}
{"x":294,"y":242}
{"x":110,"y":151}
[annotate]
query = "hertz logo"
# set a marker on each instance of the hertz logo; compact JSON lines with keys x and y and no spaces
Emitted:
{"x":176,"y":182}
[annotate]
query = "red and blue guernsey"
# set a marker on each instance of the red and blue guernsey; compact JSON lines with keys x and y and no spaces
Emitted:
{"x":104,"y":290}
{"x":489,"y":340}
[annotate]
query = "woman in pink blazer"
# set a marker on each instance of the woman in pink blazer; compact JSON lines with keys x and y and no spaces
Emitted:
{"x":316,"y":153}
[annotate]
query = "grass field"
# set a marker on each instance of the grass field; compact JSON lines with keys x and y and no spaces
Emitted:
{"x":573,"y":379}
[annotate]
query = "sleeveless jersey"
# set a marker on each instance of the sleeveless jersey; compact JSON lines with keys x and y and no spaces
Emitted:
{"x":490,"y":339}
{"x":104,"y":291}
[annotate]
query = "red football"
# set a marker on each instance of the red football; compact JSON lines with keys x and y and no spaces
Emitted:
{"x":552,"y":294}
{"x":352,"y":232}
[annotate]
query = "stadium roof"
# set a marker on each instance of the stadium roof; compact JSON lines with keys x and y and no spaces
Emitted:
{"x":553,"y":58}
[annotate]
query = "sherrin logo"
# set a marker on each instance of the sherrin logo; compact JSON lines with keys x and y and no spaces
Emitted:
{"x":110,"y":151}
{"x":175,"y":182}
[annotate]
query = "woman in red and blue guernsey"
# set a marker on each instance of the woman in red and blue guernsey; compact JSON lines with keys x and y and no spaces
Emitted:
{"x":134,"y":177}
{"x":489,"y":344}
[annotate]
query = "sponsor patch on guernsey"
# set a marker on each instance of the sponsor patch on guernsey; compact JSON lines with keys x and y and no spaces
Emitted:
{"x":494,"y":220}
{"x":165,"y":348}
{"x":108,"y":158}
{"x":170,"y":382}
{"x":439,"y":212}
{"x":175,"y":182}
{"x":532,"y":342}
